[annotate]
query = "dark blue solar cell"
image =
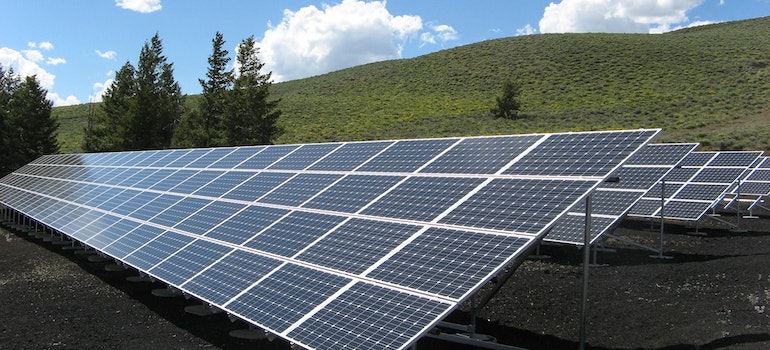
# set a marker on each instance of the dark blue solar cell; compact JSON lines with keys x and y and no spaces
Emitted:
{"x":357,"y":244}
{"x":703,"y":192}
{"x":246,"y":224}
{"x":718,"y":175}
{"x":686,"y":210}
{"x":580,"y":154}
{"x":95,"y":227}
{"x":299,"y":290}
{"x":128,"y":159}
{"x":150,"y":254}
{"x":407,"y":155}
{"x":185,"y":263}
{"x":353,"y":192}
{"x":448,"y":262}
{"x":149,"y":157}
{"x":697,"y":158}
{"x":614,"y":203}
{"x":422,"y":198}
{"x":299,"y":189}
{"x":637,"y":178}
{"x":571,"y":228}
{"x":169,"y":157}
{"x":173,"y":180}
{"x":293,"y":233}
{"x":74,"y":224}
{"x":646,"y":207}
{"x":369,"y":317}
{"x":655,"y":190}
{"x":211,"y":157}
{"x":484,"y":155}
{"x":131,"y":204}
{"x":662,"y":154}
{"x":179,"y":211}
{"x":223,"y":184}
{"x":187,"y":158}
{"x":129,"y":243}
{"x":518,"y":205}
{"x":229,"y":276}
{"x":350,"y":156}
{"x":196,"y":181}
{"x":736,"y":159}
{"x":153,"y":179}
{"x":268,"y":156}
{"x":136,"y":177}
{"x":101,"y":175}
{"x":759,"y":175}
{"x":236,"y":157}
{"x":120,"y":175}
{"x":257,"y":186}
{"x":304,"y":156}
{"x":111,"y":234}
{"x":155,"y":206}
{"x":101,"y":197}
{"x":208,"y":217}
{"x":65,"y":215}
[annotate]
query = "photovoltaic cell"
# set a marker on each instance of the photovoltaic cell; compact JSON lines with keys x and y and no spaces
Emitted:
{"x":344,"y":245}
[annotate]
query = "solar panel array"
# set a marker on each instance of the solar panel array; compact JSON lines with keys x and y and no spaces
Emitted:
{"x":757,"y":181}
{"x":700,"y":182}
{"x":363,"y":245}
{"x":612,"y":200}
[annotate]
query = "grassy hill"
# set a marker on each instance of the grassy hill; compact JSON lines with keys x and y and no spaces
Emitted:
{"x":707,"y":84}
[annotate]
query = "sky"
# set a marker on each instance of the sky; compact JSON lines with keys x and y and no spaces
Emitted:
{"x":74,"y":47}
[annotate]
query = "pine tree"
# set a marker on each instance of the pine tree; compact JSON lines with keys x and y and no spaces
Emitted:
{"x":159,"y":101}
{"x":251,"y":118}
{"x":107,"y":131}
{"x":508,"y":105}
{"x":32,"y":129}
{"x":142,"y":107}
{"x":202,"y":127}
{"x":8,"y":83}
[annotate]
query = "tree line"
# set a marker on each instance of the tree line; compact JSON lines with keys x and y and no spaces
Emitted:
{"x":144,"y":107}
{"x":27,"y":130}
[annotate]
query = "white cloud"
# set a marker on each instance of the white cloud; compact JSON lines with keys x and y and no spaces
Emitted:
{"x":667,"y":28}
{"x":55,"y":60}
{"x":25,"y":67}
{"x":45,"y":45}
{"x":313,"y":41}
{"x":445,"y":32}
{"x":110,"y":55}
{"x":98,"y":90}
{"x":527,"y":30}
{"x":615,"y":16}
{"x":33,"y":55}
{"x":58,"y":101}
{"x":142,"y":6}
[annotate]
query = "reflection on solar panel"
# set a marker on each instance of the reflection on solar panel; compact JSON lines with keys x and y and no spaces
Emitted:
{"x":702,"y":181}
{"x":612,"y":200}
{"x":330,"y":246}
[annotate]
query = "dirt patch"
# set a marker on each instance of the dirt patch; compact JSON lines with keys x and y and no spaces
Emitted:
{"x":714,"y":293}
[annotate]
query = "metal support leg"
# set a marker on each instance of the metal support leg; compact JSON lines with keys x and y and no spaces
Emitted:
{"x":586,"y":269}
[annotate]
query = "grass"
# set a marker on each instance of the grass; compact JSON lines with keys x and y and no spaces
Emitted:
{"x":707,"y":84}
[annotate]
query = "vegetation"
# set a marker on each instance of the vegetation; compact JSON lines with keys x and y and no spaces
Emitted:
{"x":27,"y":130}
{"x":708,"y":84}
{"x":234,"y":108}
{"x":507,"y":106}
{"x":141,"y":108}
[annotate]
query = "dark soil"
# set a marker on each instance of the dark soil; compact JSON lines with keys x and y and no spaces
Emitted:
{"x":712,"y":294}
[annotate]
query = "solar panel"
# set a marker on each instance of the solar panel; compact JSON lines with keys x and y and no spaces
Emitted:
{"x":613,"y":200}
{"x":757,"y":180}
{"x":362,"y":245}
{"x":700,"y":184}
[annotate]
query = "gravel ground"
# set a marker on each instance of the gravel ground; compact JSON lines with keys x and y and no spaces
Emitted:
{"x":712,"y":294}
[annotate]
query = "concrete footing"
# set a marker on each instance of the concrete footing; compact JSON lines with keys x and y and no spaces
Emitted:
{"x":201,"y":310}
{"x":167,"y":292}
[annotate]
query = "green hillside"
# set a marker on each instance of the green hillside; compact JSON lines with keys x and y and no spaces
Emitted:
{"x":708,"y":84}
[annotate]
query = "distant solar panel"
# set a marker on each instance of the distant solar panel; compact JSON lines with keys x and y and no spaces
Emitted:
{"x":757,"y":180}
{"x":700,"y":184}
{"x":331,"y":246}
{"x":612,"y":201}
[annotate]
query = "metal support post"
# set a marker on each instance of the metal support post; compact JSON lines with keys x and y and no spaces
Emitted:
{"x":586,"y":269}
{"x":662,"y":219}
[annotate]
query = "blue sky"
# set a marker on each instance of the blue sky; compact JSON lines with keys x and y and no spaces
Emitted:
{"x":75,"y":46}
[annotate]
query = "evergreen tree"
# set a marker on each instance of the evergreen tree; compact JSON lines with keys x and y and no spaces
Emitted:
{"x":8,"y":83}
{"x":202,"y":127}
{"x":508,"y":105}
{"x":32,"y":129}
{"x":159,"y":101}
{"x":107,"y":131}
{"x":142,"y":107}
{"x":251,"y":118}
